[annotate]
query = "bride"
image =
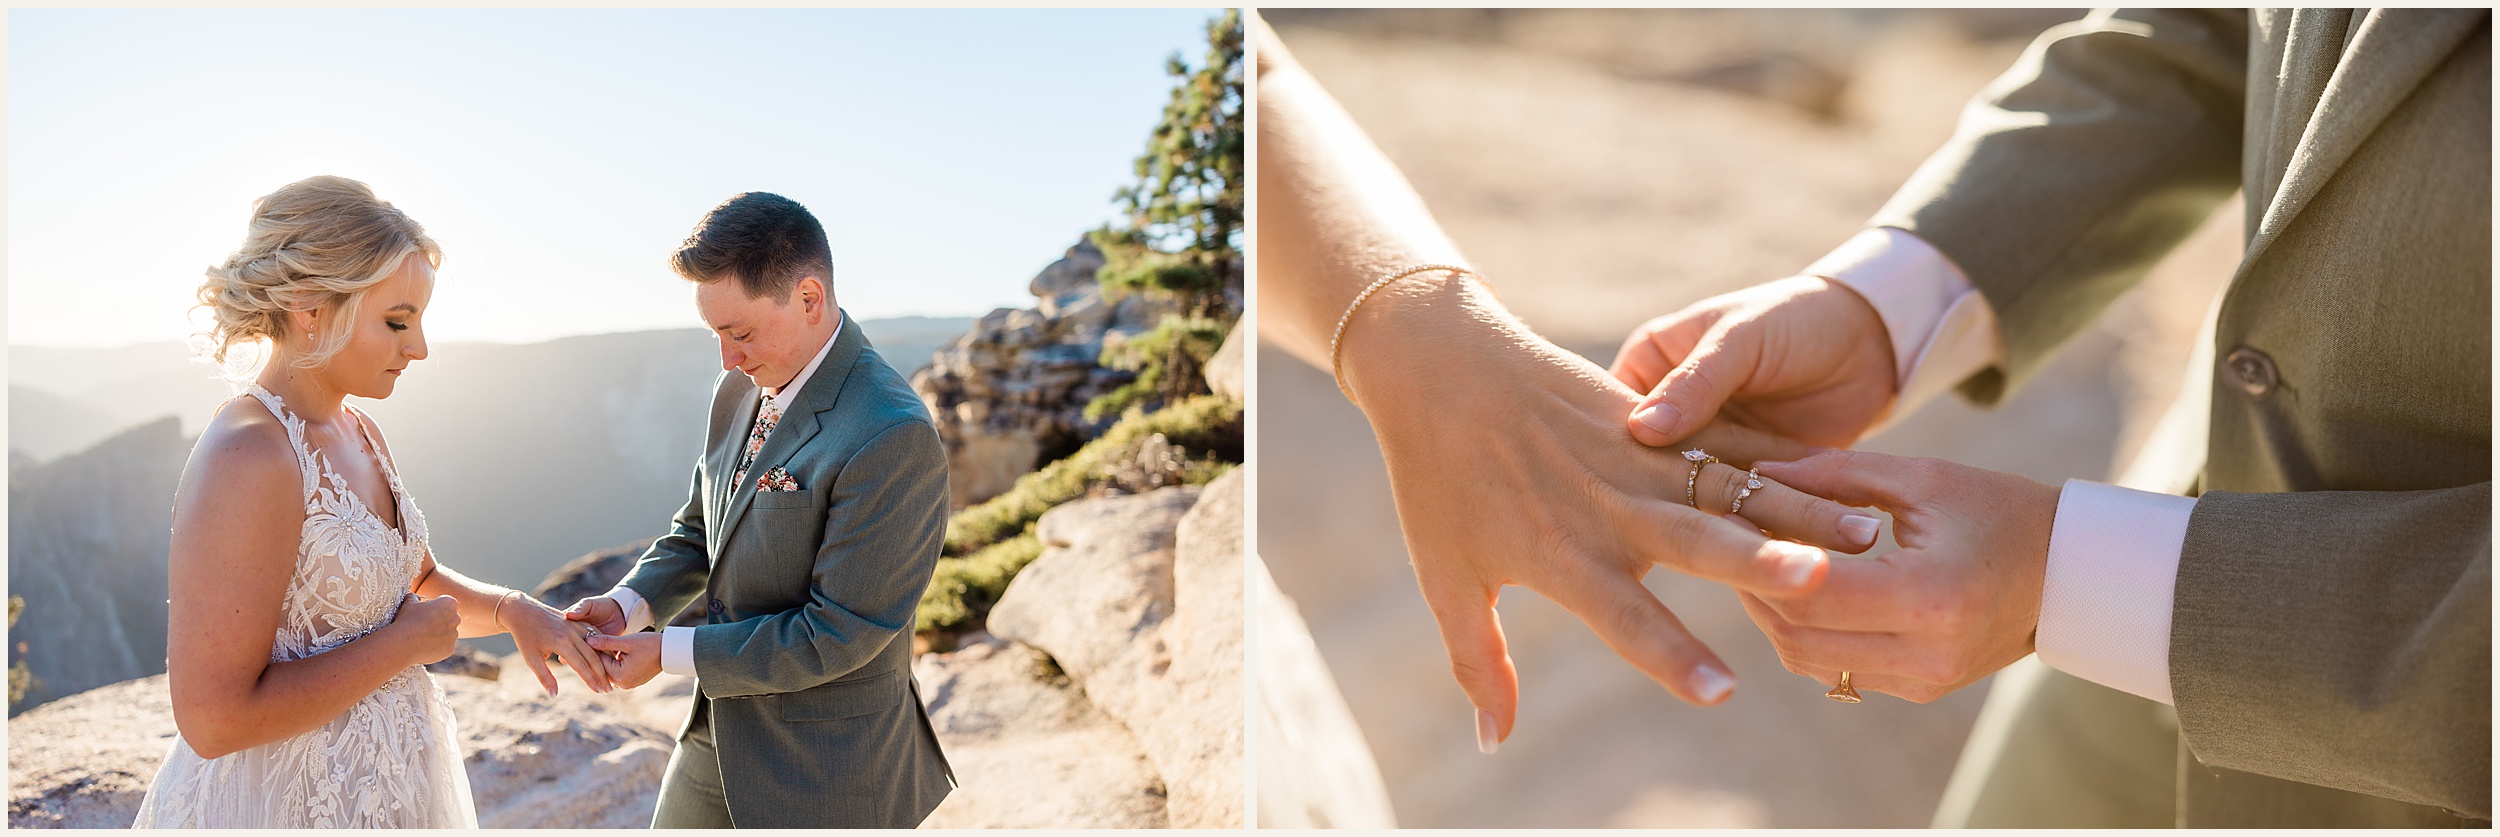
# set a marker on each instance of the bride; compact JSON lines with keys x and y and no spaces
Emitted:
{"x":305,"y":600}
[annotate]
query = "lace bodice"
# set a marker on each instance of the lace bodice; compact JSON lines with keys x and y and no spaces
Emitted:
{"x":393,"y":758}
{"x":353,"y":568}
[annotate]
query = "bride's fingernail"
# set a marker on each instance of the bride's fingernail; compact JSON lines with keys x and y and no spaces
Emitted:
{"x":1797,"y":565}
{"x":1660,"y":416}
{"x":1860,"y":528}
{"x":1488,"y":732}
{"x":1710,"y":683}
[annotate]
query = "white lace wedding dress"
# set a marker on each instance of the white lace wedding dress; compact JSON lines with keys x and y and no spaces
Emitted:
{"x":393,"y":759}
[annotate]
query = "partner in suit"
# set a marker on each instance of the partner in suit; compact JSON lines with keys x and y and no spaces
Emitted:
{"x":2308,"y":582}
{"x":817,"y":514}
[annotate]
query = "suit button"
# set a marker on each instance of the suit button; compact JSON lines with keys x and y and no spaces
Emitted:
{"x":716,"y":608}
{"x":2252,"y":372}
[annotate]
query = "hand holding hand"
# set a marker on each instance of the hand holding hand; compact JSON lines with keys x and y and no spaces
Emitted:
{"x":1958,"y":601}
{"x":432,"y":627}
{"x":1803,"y":357}
{"x":540,"y":632}
{"x":631,"y":660}
{"x":1519,"y":472}
{"x":600,"y":612}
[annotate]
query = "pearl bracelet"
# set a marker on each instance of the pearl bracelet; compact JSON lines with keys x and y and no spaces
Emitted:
{"x":499,"y":600}
{"x":1336,"y":341}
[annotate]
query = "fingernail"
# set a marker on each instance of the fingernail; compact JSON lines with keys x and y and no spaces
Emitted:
{"x":1860,"y":528}
{"x":1710,"y":683}
{"x":1488,"y":733}
{"x":1797,"y":565}
{"x":1660,"y":416}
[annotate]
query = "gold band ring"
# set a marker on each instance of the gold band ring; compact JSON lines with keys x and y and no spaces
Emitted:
{"x":1843,"y":692}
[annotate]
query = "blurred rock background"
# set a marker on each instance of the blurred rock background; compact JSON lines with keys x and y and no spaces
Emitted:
{"x":1607,"y":166}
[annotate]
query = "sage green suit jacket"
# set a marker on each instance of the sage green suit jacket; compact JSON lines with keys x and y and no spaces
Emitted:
{"x":2330,"y":649}
{"x":803,"y":666}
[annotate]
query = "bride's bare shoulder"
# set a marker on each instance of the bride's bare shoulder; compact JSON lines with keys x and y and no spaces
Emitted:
{"x":243,"y":450}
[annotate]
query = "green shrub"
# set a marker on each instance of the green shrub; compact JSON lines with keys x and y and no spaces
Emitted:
{"x":1170,"y":361}
{"x":987,"y":544}
{"x":20,"y":678}
{"x":966,"y":587}
{"x":1208,"y":425}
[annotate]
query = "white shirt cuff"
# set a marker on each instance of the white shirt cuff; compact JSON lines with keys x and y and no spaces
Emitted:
{"x":637,"y":611}
{"x":677,"y":650}
{"x":1942,"y":329}
{"x":2105,"y":603}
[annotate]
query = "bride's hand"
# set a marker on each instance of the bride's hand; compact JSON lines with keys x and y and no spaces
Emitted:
{"x":541,"y":631}
{"x":1958,"y":601}
{"x":430,"y":626}
{"x":1510,"y":464}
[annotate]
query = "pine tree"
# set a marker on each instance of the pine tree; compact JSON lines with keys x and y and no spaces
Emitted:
{"x":1182,"y":236}
{"x":1184,"y":213}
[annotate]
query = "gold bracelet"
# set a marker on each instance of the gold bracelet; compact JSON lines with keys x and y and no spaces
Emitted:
{"x":499,"y":600}
{"x":1336,"y":342}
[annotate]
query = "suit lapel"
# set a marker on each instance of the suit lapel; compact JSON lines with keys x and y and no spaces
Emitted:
{"x":724,"y":459}
{"x":2391,"y":52}
{"x":799,"y":424}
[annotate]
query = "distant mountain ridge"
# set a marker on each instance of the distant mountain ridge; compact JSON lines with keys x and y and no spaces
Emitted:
{"x":87,"y":540}
{"x":124,"y":386}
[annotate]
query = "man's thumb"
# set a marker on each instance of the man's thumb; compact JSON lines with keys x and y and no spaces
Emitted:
{"x":1690,"y":395}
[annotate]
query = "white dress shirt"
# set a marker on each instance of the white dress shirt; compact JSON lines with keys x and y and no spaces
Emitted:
{"x":2113,"y":552}
{"x":677,"y":641}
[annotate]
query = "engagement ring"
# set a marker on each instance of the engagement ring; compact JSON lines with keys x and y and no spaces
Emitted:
{"x":1700,"y":460}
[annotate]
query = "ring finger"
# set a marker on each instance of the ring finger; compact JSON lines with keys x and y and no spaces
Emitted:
{"x":1783,"y":511}
{"x":581,"y":657}
{"x":1878,"y":662}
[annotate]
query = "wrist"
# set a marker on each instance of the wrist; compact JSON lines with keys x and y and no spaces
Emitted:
{"x":1840,"y":304}
{"x":400,"y":641}
{"x":1399,"y":347}
{"x":2039,"y":521}
{"x":504,"y":608}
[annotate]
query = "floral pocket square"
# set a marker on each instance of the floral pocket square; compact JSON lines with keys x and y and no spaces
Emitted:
{"x":777,"y":479}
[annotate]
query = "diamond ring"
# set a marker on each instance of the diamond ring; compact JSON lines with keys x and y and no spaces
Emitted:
{"x":1700,"y":460}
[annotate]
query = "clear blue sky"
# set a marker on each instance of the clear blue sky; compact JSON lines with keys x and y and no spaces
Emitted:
{"x":559,"y":155}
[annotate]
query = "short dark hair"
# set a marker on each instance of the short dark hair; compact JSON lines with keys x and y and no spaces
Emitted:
{"x":765,"y":240}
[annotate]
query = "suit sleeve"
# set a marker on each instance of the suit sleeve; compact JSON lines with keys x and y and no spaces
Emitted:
{"x":673,"y":571}
{"x":2341,"y":638}
{"x":885,"y":527}
{"x":2071,"y":175}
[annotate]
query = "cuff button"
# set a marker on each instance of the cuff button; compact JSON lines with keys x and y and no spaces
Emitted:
{"x":2251,"y":372}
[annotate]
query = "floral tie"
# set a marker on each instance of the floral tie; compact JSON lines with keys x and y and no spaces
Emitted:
{"x":766,"y":417}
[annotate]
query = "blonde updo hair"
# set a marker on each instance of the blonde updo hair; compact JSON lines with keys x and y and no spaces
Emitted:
{"x":316,"y":243}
